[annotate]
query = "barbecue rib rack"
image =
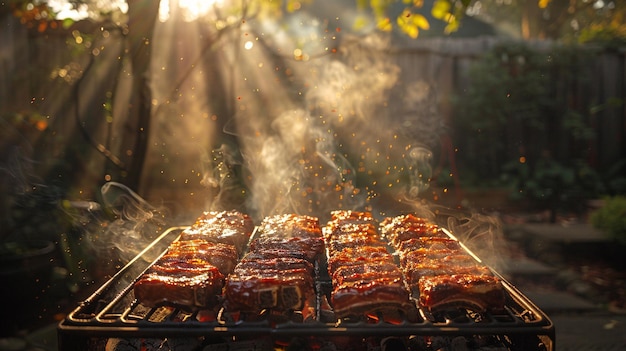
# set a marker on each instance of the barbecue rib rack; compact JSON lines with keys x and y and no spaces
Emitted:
{"x":113,"y":312}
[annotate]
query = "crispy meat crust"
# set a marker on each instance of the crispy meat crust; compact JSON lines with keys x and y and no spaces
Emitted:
{"x":364,"y":275}
{"x":253,"y":290}
{"x":290,"y":226}
{"x":310,"y":248}
{"x":357,"y":256}
{"x":273,"y":263}
{"x":277,"y":272}
{"x":453,"y":264}
{"x":351,"y":235}
{"x":430,"y":243}
{"x":226,"y":227}
{"x":192,"y":270}
{"x":439,"y":272}
{"x":365,"y":271}
{"x":363,"y":295}
{"x":192,"y":283}
{"x":222,"y":256}
{"x":478,"y":292}
{"x":405,"y":227}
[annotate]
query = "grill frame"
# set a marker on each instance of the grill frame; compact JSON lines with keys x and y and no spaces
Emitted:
{"x":108,"y":313}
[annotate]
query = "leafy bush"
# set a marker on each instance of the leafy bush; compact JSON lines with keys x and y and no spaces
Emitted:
{"x":611,"y":218}
{"x":525,"y":121}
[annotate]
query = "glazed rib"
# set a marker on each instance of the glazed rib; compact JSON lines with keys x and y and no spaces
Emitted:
{"x":189,"y":283}
{"x":278,"y":270}
{"x":440,"y":273}
{"x":364,"y":275}
{"x":480,"y":293}
{"x":222,"y":256}
{"x":309,"y":248}
{"x":191,"y":271}
{"x":405,"y":227}
{"x":226,"y":227}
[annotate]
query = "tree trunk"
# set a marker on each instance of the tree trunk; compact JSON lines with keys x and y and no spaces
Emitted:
{"x":142,"y":15}
{"x":531,"y":16}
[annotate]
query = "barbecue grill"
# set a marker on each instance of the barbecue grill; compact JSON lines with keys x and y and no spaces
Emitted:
{"x":113,"y":312}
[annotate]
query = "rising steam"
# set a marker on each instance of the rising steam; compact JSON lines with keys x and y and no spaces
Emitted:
{"x":481,"y":233}
{"x":298,"y":170}
{"x":129,"y":223}
{"x":303,"y":134}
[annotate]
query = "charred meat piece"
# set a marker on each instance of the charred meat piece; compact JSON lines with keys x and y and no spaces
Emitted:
{"x":290,"y":226}
{"x":222,"y":256}
{"x":254,"y":289}
{"x":362,"y":296}
{"x":365,"y":271}
{"x":310,"y":248}
{"x":347,"y":216}
{"x":403,"y":222}
{"x":274,"y":263}
{"x":345,"y":223}
{"x":357,"y":256}
{"x":406,"y":234}
{"x":365,"y":278}
{"x":353,"y":242}
{"x":234,"y":219}
{"x":226,"y":227}
{"x":405,"y":227}
{"x":416,"y":249}
{"x":417,"y":255}
{"x":429,"y":243}
{"x":481,"y":293}
{"x":439,"y":271}
{"x":190,"y":283}
{"x":191,"y":271}
{"x":262,"y":254}
{"x":277,"y":271}
{"x":352,"y":235}
{"x":454,"y":264}
{"x":335,"y":231}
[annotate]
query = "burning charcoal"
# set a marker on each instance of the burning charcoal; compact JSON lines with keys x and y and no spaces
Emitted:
{"x":135,"y":344}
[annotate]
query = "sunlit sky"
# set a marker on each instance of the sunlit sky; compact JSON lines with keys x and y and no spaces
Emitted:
{"x":193,"y":8}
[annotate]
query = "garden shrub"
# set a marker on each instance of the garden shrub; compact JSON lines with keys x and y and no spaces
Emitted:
{"x":611,"y":218}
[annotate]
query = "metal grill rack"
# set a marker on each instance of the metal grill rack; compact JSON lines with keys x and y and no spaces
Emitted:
{"x":113,"y":312}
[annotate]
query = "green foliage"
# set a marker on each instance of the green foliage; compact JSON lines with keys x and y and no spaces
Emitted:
{"x":410,"y":20}
{"x":568,"y":20}
{"x":611,"y":218}
{"x":524,"y":122}
{"x":408,"y":16}
{"x":509,"y":89}
{"x":611,"y":36}
{"x":552,"y":184}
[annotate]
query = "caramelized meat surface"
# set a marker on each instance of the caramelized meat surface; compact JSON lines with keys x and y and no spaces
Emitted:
{"x":277,"y":272}
{"x":481,"y":293}
{"x":364,"y":275}
{"x":226,"y":227}
{"x":192,"y":283}
{"x":222,"y":256}
{"x":440,"y":273}
{"x":191,"y":272}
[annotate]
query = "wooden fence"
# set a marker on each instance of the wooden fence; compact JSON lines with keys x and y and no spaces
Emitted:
{"x":446,"y":63}
{"x":441,"y":65}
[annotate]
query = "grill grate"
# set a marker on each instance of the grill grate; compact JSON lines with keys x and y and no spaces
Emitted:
{"x":113,"y":312}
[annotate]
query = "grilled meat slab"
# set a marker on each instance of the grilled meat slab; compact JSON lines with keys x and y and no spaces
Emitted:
{"x":439,"y":272}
